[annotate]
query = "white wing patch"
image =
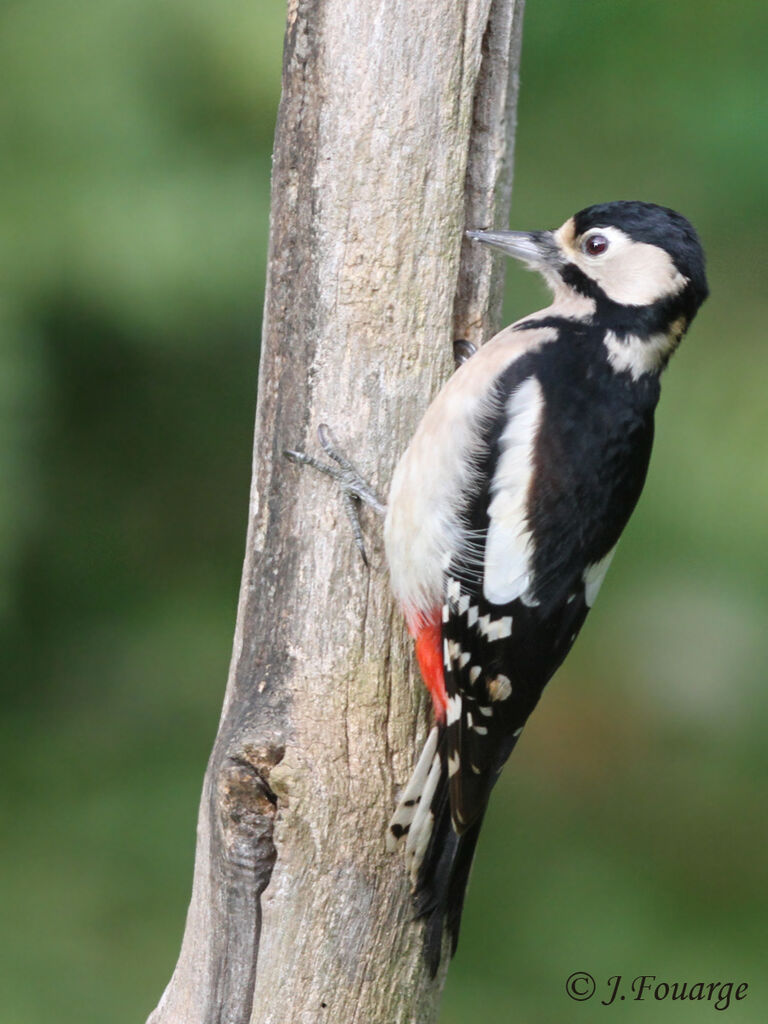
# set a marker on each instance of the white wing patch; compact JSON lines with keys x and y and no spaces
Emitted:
{"x":508,"y":547}
{"x":593,"y":577}
{"x":500,"y":688}
{"x":495,"y":629}
{"x":453,"y":713}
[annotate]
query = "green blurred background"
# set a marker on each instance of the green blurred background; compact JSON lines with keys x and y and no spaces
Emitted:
{"x":630,"y":836}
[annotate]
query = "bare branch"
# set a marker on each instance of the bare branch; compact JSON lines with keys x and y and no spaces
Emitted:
{"x":395,"y":126}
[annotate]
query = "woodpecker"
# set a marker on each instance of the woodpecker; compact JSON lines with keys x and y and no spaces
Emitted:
{"x":506,"y":507}
{"x":505,"y":510}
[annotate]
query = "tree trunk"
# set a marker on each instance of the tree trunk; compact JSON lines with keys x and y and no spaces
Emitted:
{"x":394,"y":133}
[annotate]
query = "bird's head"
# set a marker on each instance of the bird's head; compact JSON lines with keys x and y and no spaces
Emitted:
{"x":642,"y":265}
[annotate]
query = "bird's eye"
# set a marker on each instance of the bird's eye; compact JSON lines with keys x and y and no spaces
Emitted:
{"x":595,"y":245}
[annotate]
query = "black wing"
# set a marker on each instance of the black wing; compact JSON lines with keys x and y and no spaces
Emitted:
{"x":588,"y":464}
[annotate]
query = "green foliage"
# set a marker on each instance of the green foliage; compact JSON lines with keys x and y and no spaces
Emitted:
{"x":629,"y":834}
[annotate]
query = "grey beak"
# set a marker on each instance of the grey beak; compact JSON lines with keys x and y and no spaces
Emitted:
{"x":538,"y":248}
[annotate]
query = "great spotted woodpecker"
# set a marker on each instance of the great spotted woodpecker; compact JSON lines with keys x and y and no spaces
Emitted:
{"x":505,"y":510}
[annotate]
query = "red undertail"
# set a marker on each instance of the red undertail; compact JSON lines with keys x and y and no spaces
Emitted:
{"x":427,"y":631}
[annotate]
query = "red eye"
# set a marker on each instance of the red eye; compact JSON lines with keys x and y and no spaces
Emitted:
{"x":595,"y":245}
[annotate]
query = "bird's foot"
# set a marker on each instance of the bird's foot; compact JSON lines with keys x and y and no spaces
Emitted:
{"x":352,"y":484}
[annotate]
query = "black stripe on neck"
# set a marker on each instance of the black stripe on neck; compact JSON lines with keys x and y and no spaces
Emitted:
{"x":633,"y":321}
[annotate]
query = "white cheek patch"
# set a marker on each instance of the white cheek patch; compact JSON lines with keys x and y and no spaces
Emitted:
{"x":631,"y":273}
{"x":509,"y":544}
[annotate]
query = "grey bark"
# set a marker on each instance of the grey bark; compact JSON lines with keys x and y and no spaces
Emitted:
{"x":394,"y":133}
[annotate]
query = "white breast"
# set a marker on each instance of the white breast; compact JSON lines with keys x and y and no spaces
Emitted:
{"x":423,"y":525}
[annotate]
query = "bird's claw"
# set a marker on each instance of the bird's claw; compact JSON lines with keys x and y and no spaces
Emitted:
{"x":354,"y":487}
{"x":462,"y":351}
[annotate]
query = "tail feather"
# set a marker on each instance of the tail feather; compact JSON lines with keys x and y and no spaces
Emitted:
{"x":408,"y":805}
{"x":438,"y":858}
{"x":423,"y":825}
{"x":442,"y":885}
{"x":459,"y":880}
